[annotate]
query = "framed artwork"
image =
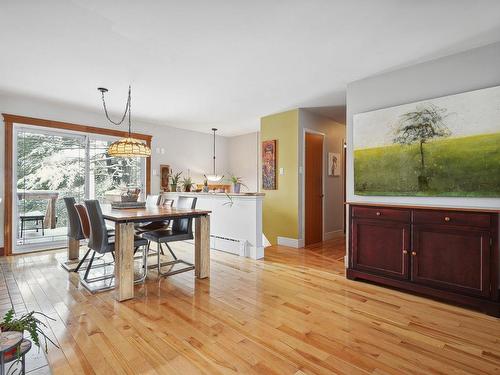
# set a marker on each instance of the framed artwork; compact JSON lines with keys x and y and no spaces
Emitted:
{"x":442,"y":147}
{"x":165,"y":172}
{"x":334,"y":164}
{"x":269,"y":165}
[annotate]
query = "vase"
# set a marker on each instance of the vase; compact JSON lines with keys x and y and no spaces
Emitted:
{"x":173,"y":187}
{"x":236,"y":188}
{"x":187,"y":188}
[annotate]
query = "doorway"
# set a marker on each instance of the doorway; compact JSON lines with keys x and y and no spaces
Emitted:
{"x":313,"y":186}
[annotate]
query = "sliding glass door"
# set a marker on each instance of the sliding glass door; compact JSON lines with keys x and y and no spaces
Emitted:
{"x":52,"y":165}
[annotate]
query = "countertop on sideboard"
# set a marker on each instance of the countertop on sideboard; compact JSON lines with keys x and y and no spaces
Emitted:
{"x":424,"y":207}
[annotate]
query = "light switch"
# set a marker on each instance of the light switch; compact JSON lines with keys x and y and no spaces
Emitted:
{"x":300,"y":169}
{"x":162,"y":150}
{"x":282,"y":171}
{"x":157,"y":150}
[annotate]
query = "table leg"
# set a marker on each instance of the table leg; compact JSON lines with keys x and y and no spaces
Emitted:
{"x":202,"y":247}
{"x":73,"y":249}
{"x":124,"y":261}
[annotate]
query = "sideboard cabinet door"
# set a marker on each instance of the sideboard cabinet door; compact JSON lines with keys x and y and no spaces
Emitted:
{"x":381,"y":247}
{"x":454,"y":259}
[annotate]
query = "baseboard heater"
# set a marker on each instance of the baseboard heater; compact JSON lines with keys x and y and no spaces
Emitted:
{"x":228,"y":245}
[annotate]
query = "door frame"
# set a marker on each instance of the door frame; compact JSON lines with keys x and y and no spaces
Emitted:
{"x":9,"y":121}
{"x":303,"y":184}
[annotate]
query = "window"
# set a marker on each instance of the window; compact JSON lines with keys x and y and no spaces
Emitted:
{"x":50,"y":165}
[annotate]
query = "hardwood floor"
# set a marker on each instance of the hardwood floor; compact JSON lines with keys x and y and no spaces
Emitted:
{"x":292,"y":313}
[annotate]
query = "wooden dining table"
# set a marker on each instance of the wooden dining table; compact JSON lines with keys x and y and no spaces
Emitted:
{"x":125,"y":219}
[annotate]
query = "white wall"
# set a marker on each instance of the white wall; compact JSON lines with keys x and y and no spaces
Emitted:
{"x":183,"y":149}
{"x":334,"y":186}
{"x":470,"y":70}
{"x":243,"y":157}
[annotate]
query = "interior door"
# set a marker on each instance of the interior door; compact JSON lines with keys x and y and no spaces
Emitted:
{"x":313,"y":188}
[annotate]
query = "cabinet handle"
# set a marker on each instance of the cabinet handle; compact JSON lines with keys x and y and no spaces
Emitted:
{"x":447,"y":218}
{"x":378,"y":213}
{"x":405,"y":251}
{"x":413,"y":253}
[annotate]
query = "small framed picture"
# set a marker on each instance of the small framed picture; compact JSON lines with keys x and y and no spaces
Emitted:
{"x":165,"y":172}
{"x":334,"y":164}
{"x":269,"y":165}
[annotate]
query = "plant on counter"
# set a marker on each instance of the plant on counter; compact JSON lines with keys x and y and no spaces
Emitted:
{"x":188,"y":183}
{"x":205,"y":184}
{"x":174,"y":181}
{"x":237,"y":183}
{"x":27,"y":322}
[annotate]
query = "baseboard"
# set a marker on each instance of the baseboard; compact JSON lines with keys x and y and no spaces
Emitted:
{"x":333,"y":234}
{"x":255,"y":252}
{"x":291,"y":242}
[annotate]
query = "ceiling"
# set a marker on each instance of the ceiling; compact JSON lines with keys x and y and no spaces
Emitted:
{"x":198,"y":64}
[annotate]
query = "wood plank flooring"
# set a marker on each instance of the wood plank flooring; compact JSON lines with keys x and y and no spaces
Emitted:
{"x":292,"y":313}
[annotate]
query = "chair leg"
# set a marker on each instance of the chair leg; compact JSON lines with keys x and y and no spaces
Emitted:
{"x":113,"y":255}
{"x":81,"y":262}
{"x":189,"y":266}
{"x":171,"y":251}
{"x":89,"y":266}
{"x":144,"y":264}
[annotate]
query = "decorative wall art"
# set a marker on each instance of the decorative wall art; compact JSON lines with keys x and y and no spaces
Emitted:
{"x":165,"y":172}
{"x":334,"y":164}
{"x":269,"y":165}
{"x":448,"y":146}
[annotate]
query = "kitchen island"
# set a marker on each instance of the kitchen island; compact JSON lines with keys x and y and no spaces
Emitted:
{"x":236,"y":221}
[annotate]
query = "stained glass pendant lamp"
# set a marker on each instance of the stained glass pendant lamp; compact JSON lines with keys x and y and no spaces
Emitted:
{"x":214,"y":177}
{"x":127,"y":147}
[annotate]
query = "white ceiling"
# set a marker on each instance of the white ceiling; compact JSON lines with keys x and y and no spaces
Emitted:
{"x":198,"y":64}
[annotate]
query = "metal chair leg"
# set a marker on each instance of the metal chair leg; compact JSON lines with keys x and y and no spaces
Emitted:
{"x":89,"y":267}
{"x":189,"y":267}
{"x":171,"y":251}
{"x":144,"y":265}
{"x":81,"y":262}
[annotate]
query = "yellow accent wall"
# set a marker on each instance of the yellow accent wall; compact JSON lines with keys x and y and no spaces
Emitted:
{"x":280,"y":208}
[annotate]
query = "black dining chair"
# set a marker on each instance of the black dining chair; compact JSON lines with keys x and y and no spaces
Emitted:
{"x":75,"y":231}
{"x":181,"y":230}
{"x":163,"y":224}
{"x":74,"y":228}
{"x":102,"y":243}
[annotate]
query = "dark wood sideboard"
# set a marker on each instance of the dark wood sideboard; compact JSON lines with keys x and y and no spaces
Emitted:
{"x":448,"y":254}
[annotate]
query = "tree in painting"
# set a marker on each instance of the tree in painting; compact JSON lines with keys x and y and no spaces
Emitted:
{"x":419,"y":127}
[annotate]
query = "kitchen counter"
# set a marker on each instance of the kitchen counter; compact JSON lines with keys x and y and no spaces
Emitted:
{"x":235,"y":221}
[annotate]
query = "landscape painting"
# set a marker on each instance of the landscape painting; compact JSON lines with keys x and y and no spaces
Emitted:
{"x":448,"y":147}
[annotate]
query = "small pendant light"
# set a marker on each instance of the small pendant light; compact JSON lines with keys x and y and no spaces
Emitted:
{"x":214,"y":177}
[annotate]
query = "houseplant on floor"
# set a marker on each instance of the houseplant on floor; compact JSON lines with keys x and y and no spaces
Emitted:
{"x":175,"y":178}
{"x":237,"y":184}
{"x":27,"y":322}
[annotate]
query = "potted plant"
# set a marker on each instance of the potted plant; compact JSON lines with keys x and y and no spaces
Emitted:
{"x":237,"y":183}
{"x":187,"y":182}
{"x":205,"y":184}
{"x":27,"y":322}
{"x":175,"y":178}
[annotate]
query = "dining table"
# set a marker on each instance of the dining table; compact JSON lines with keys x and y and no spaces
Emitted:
{"x":124,"y":220}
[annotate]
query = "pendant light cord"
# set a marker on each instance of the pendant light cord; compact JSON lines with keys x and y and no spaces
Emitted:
{"x":127,"y":110}
{"x":214,"y":130}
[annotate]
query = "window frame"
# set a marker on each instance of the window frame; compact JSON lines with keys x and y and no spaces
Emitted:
{"x":9,"y":121}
